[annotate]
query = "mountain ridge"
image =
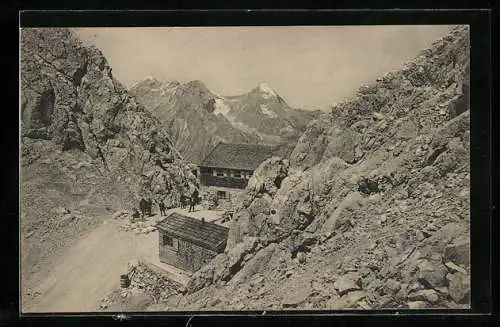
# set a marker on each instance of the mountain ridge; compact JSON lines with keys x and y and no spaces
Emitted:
{"x":211,"y":116}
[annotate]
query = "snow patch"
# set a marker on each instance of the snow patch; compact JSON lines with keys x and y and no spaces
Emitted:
{"x":267,"y":90}
{"x":265,"y":110}
{"x":221,"y":107}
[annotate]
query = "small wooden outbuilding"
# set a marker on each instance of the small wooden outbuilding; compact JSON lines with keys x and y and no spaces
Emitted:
{"x":189,"y":243}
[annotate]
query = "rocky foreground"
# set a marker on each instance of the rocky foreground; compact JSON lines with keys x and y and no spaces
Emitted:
{"x":370,"y":211}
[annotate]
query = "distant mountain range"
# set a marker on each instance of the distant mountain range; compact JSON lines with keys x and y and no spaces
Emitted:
{"x":198,"y":118}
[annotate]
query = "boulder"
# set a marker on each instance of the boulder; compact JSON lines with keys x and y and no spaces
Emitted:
{"x":428,"y":295}
{"x":407,"y":130}
{"x":350,"y":300}
{"x":301,"y":257}
{"x":117,"y":214}
{"x":257,"y":264}
{"x":458,"y":252}
{"x":391,"y":286}
{"x":432,"y":273}
{"x":342,"y":144}
{"x":268,"y":176}
{"x":453,"y":267}
{"x":459,"y":287}
{"x":238,"y":253}
{"x":298,"y":296}
{"x":352,"y":201}
{"x":348,"y":282}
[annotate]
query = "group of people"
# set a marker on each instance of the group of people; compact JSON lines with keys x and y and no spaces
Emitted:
{"x":145,"y":205}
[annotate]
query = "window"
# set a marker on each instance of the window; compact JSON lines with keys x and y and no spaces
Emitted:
{"x":237,"y":174}
{"x":248,"y":175}
{"x":167,"y":240}
{"x":220,"y":173}
{"x":221,"y":195}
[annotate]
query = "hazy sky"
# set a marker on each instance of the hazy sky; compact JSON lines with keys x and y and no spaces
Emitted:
{"x":310,"y":67}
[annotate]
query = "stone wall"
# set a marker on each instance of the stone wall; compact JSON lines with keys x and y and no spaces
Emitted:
{"x":151,"y":280}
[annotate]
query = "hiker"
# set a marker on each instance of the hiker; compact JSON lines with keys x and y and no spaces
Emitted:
{"x":135,"y":214}
{"x":183,"y":201}
{"x":194,"y":200}
{"x":145,"y":206}
{"x":162,"y":207}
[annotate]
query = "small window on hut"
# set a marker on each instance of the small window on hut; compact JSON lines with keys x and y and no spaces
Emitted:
{"x":237,"y":174}
{"x":168,"y":241}
{"x":221,"y":195}
{"x":220,"y":173}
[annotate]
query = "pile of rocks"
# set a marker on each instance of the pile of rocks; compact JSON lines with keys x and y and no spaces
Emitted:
{"x":139,"y":227}
{"x":152,"y":281}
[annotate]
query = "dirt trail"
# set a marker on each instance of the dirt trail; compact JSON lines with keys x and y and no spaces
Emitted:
{"x":90,"y":269}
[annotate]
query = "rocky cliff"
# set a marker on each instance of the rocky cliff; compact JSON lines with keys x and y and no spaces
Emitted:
{"x":371,"y":210}
{"x":187,"y":111}
{"x":88,"y":148}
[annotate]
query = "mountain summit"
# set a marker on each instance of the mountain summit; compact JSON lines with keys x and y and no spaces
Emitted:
{"x":267,"y":90}
{"x":264,"y":111}
{"x":198,"y":118}
{"x":190,"y":113}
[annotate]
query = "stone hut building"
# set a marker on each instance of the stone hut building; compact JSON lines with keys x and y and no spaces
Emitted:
{"x":226,"y":170}
{"x":189,"y":243}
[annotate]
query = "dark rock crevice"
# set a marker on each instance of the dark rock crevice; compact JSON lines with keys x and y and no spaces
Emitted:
{"x":79,"y":73}
{"x":41,"y":113}
{"x":434,"y":155}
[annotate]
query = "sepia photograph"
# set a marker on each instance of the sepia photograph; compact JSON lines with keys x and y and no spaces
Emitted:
{"x":244,"y":168}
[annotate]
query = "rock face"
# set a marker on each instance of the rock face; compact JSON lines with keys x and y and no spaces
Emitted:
{"x":86,"y":143}
{"x":187,"y":110}
{"x":374,"y":197}
{"x":264,"y":111}
{"x":198,"y":119}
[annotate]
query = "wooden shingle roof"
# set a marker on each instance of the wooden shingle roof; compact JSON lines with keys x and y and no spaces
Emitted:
{"x":205,"y":234}
{"x":238,"y":156}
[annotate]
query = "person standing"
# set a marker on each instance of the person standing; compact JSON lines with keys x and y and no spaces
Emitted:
{"x":194,"y":200}
{"x":183,"y":201}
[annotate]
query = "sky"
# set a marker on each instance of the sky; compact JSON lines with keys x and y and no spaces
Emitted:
{"x":311,"y":67}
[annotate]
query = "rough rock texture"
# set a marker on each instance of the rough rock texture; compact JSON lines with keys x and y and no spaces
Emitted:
{"x":198,"y":119}
{"x":148,"y":286}
{"x":86,"y":144}
{"x":187,"y":110}
{"x":371,"y":208}
{"x":264,"y":112}
{"x":150,"y":279}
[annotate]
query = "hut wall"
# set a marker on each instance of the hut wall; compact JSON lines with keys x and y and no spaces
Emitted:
{"x":183,"y":254}
{"x":207,"y":178}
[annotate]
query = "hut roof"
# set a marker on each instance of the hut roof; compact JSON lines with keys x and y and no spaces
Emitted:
{"x":238,"y":156}
{"x":205,"y":234}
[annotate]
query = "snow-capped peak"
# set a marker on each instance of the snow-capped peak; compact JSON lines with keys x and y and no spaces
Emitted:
{"x":221,"y":106}
{"x":267,"y":89}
